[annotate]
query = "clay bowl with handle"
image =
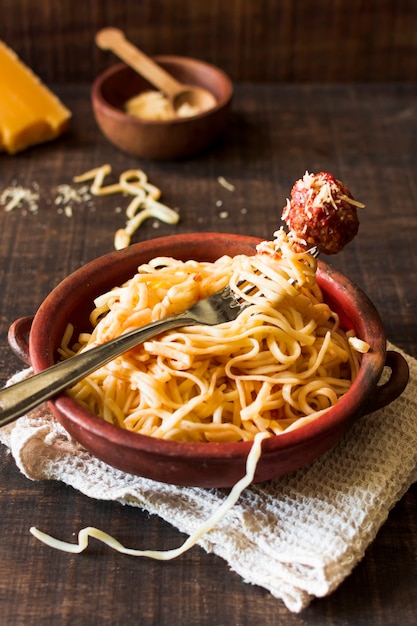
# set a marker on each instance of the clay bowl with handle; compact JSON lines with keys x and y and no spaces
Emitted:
{"x":37,"y":339}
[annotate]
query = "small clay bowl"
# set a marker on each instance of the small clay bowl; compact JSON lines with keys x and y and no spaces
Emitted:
{"x":204,"y":464}
{"x":161,"y":139}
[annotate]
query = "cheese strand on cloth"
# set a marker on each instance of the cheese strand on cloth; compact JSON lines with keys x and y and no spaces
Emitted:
{"x":297,"y":536}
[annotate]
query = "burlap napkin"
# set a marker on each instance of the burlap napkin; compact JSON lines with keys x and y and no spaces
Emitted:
{"x":298,"y":536}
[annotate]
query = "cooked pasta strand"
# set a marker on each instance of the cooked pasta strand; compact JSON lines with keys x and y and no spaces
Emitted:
{"x":163,"y":555}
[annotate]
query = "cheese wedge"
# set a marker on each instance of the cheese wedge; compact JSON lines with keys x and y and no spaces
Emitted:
{"x":29,"y":112}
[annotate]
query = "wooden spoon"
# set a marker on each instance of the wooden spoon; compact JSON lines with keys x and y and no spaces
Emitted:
{"x":178,"y":94}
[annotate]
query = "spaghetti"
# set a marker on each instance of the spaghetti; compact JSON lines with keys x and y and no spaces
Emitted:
{"x":283,"y":361}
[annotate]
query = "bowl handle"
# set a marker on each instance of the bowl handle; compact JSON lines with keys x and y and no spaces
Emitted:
{"x":18,"y":338}
{"x":392,"y":388}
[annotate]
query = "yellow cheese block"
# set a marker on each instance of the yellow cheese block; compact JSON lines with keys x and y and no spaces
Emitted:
{"x":29,"y":112}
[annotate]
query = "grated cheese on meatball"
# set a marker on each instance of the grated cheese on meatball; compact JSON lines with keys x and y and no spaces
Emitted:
{"x":321,"y":212}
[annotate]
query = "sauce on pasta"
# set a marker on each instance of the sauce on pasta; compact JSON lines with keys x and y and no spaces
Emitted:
{"x":283,"y":361}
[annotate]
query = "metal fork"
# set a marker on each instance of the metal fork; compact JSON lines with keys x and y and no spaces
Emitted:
{"x":18,"y":399}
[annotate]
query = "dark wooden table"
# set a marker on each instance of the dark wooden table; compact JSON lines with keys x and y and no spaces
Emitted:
{"x":365,"y":135}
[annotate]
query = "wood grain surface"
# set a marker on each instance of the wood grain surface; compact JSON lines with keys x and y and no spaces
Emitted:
{"x":364,"y":134}
{"x":252,"y":40}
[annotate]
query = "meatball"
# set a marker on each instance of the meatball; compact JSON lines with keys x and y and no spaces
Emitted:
{"x":321,"y":212}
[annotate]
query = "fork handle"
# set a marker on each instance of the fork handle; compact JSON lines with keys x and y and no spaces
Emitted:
{"x":18,"y":399}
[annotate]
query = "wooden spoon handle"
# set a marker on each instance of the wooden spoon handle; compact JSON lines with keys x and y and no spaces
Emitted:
{"x":113,"y":39}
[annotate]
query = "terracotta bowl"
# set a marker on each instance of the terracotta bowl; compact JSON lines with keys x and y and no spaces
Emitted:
{"x":161,"y":139}
{"x":204,"y":464}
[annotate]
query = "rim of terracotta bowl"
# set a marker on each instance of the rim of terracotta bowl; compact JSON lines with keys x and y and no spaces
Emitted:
{"x":353,"y":306}
{"x":224,"y":100}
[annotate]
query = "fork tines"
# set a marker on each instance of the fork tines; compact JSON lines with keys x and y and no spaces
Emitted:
{"x":249,"y":289}
{"x":314,"y":251}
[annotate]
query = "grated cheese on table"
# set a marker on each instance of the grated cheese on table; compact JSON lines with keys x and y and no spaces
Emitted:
{"x":224,"y":183}
{"x":135,"y":183}
{"x":65,"y":196}
{"x":16,"y":196}
{"x":68,"y":195}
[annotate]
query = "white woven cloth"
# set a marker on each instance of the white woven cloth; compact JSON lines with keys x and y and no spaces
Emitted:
{"x":298,"y":536}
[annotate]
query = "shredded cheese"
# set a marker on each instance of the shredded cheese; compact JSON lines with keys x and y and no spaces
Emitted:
{"x":325,"y":192}
{"x":224,"y":183}
{"x":66,"y":195}
{"x":154,"y":105}
{"x":351,"y":201}
{"x":15,"y":196}
{"x":143,"y":205}
{"x":325,"y":196}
